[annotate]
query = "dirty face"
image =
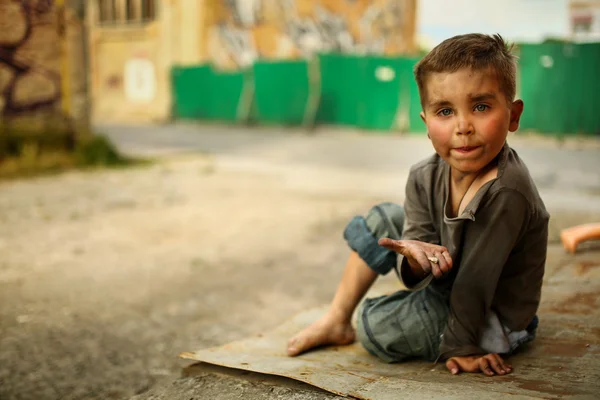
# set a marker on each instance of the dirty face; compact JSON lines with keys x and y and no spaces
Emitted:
{"x":468,"y":117}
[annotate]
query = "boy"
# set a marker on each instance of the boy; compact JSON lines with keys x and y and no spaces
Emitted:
{"x":470,"y":242}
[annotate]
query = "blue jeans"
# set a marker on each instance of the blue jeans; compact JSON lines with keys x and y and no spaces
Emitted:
{"x":405,"y":324}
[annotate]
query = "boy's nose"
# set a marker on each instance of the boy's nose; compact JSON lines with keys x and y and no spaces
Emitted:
{"x":464,"y":127}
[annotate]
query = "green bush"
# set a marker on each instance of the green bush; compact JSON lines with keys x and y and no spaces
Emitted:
{"x":14,"y":142}
{"x":26,"y":153}
{"x":97,"y":150}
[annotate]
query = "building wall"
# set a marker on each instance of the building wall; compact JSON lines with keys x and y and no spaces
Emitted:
{"x":116,"y":49}
{"x":42,"y":65}
{"x":585,"y":20}
{"x":241,"y":31}
{"x":131,"y":63}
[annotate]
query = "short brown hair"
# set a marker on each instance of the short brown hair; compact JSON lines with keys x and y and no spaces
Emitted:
{"x":476,"y":51}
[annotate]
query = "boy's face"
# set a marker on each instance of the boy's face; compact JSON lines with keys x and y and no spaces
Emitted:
{"x":468,"y":117}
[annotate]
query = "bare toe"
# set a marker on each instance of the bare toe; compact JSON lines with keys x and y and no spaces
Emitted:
{"x":294,"y":346}
{"x":320,"y":334}
{"x":300,"y":343}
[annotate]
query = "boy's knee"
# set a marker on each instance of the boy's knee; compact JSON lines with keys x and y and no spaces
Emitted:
{"x":362,"y":235}
{"x":386,"y":220}
{"x":364,"y":334}
{"x":375,"y":334}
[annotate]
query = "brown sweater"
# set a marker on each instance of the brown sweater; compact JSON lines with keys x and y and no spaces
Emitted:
{"x":498,"y":247}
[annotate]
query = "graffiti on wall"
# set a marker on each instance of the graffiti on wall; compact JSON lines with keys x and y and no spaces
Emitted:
{"x":29,"y":65}
{"x":245,"y":30}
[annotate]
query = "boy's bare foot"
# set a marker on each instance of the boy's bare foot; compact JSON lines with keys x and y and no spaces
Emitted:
{"x":326,"y":331}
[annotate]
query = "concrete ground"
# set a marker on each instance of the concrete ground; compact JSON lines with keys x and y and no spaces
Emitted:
{"x":107,"y":276}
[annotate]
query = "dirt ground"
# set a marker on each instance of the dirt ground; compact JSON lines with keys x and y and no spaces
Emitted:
{"x":106,"y":277}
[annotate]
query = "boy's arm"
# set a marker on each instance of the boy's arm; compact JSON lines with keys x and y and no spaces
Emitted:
{"x":418,"y":226}
{"x":418,"y":221}
{"x":487,"y":244}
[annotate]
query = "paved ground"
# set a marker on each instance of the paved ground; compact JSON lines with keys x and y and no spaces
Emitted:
{"x":565,"y":171}
{"x":106,"y":276}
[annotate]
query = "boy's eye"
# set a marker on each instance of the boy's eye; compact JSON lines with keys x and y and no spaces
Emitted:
{"x":445,"y":112}
{"x":481,"y":107}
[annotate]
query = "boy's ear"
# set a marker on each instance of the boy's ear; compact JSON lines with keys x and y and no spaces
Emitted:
{"x":516,"y":110}
{"x":422,"y":114}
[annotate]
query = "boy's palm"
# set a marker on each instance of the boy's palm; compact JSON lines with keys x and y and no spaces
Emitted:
{"x":418,"y":255}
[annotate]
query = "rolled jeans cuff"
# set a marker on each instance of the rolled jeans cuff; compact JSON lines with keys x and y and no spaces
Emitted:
{"x":363,"y":241}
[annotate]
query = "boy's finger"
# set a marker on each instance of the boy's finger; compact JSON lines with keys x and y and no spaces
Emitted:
{"x":443,"y":264}
{"x":495,"y":363}
{"x":386,"y":242}
{"x":448,"y":258}
{"x":505,"y":366}
{"x":435,"y":270}
{"x":484,"y":366}
{"x":433,"y":247}
{"x":441,"y":249}
{"x":421,"y":258}
{"x":452,"y":367}
{"x":389,"y":244}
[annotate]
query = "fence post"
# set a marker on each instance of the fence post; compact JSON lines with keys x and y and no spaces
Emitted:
{"x":314,"y":93}
{"x":244,"y":108}
{"x":402,"y":117}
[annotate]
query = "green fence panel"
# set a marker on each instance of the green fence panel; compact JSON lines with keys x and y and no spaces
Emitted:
{"x":281,"y":91}
{"x":201,"y":92}
{"x":373,"y":93}
{"x":589,"y":116}
{"x":559,"y":84}
{"x":369,"y":92}
{"x":543,"y":88}
{"x":341,"y":89}
{"x":415,"y":123}
{"x":382,"y":90}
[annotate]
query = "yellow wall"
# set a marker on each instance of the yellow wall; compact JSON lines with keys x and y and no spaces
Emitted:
{"x":175,"y":37}
{"x":42,"y":71}
{"x":241,"y":31}
{"x":231,"y":34}
{"x":111,"y":48}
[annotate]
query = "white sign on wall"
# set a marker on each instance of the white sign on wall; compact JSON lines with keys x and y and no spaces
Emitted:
{"x":385,"y":74}
{"x":140,"y":80}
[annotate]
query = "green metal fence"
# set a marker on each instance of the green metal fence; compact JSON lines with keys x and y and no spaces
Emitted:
{"x":339,"y":98}
{"x":206,"y":94}
{"x":281,"y":91}
{"x":560,"y":84}
{"x":375,"y":93}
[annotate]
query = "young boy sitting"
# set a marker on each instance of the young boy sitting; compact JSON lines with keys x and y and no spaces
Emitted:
{"x":470,"y":242}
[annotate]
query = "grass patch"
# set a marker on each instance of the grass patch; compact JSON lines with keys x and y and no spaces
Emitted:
{"x":98,"y":151}
{"x":29,"y":156}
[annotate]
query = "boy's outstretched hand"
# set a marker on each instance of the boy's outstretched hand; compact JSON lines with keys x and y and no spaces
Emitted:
{"x":490,"y":365}
{"x":419,"y":256}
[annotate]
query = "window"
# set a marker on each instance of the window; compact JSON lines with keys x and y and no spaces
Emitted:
{"x":126,"y":11}
{"x":148,"y":10}
{"x":131,"y":10}
{"x":107,"y":10}
{"x":582,"y":22}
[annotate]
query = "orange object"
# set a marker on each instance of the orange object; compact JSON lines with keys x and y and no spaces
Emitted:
{"x":573,"y":236}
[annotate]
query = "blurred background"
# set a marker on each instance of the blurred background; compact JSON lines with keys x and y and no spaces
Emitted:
{"x":285,"y":62}
{"x":246,"y":133}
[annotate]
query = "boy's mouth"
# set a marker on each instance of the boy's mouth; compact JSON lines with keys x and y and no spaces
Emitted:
{"x":466,"y":149}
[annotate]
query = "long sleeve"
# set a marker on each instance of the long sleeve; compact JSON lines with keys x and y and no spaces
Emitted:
{"x":418,"y":225}
{"x":492,"y":237}
{"x":418,"y":222}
